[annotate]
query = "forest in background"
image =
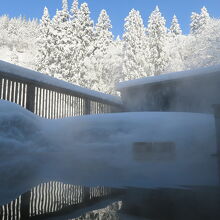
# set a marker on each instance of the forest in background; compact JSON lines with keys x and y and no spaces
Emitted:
{"x":70,"y":46}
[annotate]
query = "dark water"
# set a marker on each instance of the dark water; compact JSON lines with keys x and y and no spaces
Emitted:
{"x":56,"y":200}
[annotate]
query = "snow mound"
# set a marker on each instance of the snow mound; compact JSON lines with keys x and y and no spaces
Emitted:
{"x":99,"y":150}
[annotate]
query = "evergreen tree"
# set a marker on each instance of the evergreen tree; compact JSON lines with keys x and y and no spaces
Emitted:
{"x":174,"y":46}
{"x":98,"y":74}
{"x":85,"y":42}
{"x":134,"y":46}
{"x":202,"y":49}
{"x":199,"y":22}
{"x":58,"y":43}
{"x":194,"y":26}
{"x":64,"y":13}
{"x":74,"y":9}
{"x":65,"y":5}
{"x":103,"y":32}
{"x":44,"y":45}
{"x":175,"y":27}
{"x":204,"y":19}
{"x":4,"y":23}
{"x":157,"y":38}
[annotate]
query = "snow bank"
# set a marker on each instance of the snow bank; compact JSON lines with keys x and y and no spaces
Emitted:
{"x":39,"y":77}
{"x":168,"y":77}
{"x":98,"y":150}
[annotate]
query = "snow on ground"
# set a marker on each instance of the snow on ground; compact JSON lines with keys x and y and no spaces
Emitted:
{"x":98,"y":150}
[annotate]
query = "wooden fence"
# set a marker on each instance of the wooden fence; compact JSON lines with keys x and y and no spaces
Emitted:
{"x":52,"y":198}
{"x":49,"y":97}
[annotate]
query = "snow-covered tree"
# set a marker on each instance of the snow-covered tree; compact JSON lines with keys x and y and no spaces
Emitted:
{"x":134,"y":47}
{"x":103,"y":34}
{"x":199,"y":22}
{"x":204,"y":18}
{"x":194,"y":26}
{"x":157,"y":38}
{"x":4,"y":22}
{"x":65,"y":5}
{"x":58,"y":41}
{"x":85,"y":43}
{"x":99,"y":76}
{"x":74,"y":9}
{"x":203,"y":49}
{"x":174,"y":46}
{"x":175,"y":27}
{"x":44,"y":43}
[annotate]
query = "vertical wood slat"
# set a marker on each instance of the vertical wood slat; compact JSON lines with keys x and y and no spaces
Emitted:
{"x":4,"y":89}
{"x":8,"y":90}
{"x":43,"y":102}
{"x":64,"y":106}
{"x":52,"y":105}
{"x":49,"y":104}
{"x":67,"y":105}
{"x":59,"y":107}
{"x":30,"y":100}
{"x":87,"y":107}
{"x":72,"y":101}
{"x":16,"y":92}
{"x":12,"y":91}
{"x":46,"y":103}
{"x":36,"y":101}
{"x":20,"y":91}
{"x":40,"y":102}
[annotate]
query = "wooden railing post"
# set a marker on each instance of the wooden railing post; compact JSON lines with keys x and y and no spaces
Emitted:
{"x":30,"y":100}
{"x":87,"y":107}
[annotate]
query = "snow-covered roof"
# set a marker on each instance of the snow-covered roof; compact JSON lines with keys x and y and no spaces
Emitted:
{"x":15,"y":70}
{"x":168,"y":77}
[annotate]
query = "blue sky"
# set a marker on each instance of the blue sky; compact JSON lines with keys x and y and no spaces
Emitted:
{"x":117,"y":9}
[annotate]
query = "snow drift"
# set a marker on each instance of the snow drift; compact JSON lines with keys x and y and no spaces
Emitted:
{"x":98,"y":150}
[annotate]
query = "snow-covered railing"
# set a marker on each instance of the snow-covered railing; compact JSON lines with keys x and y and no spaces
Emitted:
{"x":49,"y":97}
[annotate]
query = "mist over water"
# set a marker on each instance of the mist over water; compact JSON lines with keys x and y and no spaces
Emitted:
{"x":101,"y":150}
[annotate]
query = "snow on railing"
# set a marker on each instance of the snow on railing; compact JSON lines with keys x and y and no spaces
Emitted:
{"x":49,"y":97}
{"x":52,"y":198}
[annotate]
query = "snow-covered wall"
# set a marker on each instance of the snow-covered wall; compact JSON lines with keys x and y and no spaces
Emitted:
{"x":188,"y":91}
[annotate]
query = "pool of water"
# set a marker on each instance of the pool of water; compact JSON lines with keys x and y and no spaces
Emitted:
{"x":57,"y":200}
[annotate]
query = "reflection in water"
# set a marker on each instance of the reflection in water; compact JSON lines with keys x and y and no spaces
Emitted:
{"x":110,"y":212}
{"x":53,"y":197}
{"x":96,"y":203}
